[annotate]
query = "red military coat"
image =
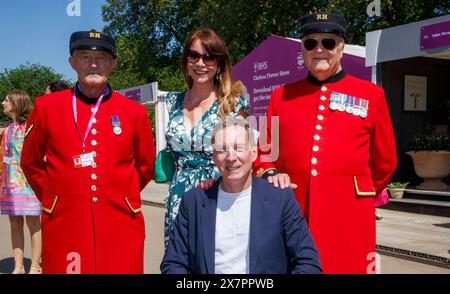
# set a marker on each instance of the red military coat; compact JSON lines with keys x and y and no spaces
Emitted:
{"x":339,"y":161}
{"x":91,"y":220}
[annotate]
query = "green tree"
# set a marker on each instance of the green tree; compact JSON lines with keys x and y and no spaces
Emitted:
{"x":32,"y":78}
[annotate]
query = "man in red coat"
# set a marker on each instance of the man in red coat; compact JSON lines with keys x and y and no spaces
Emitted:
{"x":87,"y":154}
{"x":336,"y":145}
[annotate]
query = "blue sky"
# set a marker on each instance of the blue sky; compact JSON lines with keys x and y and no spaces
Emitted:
{"x":38,"y":31}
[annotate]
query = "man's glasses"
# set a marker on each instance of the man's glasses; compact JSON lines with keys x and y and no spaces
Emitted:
{"x":208,"y":59}
{"x":327,"y":43}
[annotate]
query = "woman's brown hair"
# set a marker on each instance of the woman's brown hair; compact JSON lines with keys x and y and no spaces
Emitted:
{"x":214,"y":45}
{"x":21,"y":105}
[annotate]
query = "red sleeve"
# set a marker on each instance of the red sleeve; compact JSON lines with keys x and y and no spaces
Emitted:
{"x":383,"y":156}
{"x":34,"y":148}
{"x":144,"y":149}
{"x":266,"y":159}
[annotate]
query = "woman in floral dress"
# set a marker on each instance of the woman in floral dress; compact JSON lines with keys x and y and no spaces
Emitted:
{"x":17,"y":199}
{"x":193,"y":114}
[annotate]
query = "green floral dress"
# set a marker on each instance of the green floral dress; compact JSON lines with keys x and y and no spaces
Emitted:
{"x":192,"y":152}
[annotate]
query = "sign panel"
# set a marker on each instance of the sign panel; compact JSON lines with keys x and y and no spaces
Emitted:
{"x":142,"y":94}
{"x":435,"y":35}
{"x":415,"y":93}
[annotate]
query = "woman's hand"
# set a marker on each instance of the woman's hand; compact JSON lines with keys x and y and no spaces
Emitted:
{"x":281,"y":181}
{"x":206,"y":184}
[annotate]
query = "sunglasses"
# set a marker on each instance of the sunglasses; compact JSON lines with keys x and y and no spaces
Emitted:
{"x":327,"y":43}
{"x":208,"y":59}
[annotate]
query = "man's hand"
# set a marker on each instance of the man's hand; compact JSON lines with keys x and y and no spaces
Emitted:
{"x":281,"y":181}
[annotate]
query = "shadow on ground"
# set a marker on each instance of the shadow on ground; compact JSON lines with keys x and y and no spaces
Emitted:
{"x":446,"y":225}
{"x":7,"y":265}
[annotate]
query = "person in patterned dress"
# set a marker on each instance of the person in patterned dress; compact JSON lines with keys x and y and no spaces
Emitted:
{"x":17,"y":198}
{"x":211,"y":96}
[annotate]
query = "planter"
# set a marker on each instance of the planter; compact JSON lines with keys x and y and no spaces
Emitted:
{"x":396,"y":193}
{"x":432,"y":166}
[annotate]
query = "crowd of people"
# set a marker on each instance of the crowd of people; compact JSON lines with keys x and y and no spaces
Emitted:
{"x":75,"y":162}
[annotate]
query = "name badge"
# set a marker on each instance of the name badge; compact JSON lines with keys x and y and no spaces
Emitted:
{"x":83,"y":160}
{"x":7,"y":160}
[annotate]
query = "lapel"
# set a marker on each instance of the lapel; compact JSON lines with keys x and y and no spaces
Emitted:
{"x":257,"y":216}
{"x":208,"y":226}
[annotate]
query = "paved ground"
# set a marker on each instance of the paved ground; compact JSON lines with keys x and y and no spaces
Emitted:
{"x":414,"y":232}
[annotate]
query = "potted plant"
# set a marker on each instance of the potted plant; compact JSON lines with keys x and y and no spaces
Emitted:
{"x":431,"y":157}
{"x":396,"y":189}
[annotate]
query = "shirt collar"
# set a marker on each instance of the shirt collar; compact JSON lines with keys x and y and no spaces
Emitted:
{"x":90,"y":101}
{"x":333,"y":79}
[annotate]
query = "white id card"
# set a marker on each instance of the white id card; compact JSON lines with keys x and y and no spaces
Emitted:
{"x":83,"y":160}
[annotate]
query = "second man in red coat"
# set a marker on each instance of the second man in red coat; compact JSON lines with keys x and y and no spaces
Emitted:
{"x":336,"y":144}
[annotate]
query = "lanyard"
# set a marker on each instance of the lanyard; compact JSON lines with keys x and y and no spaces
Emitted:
{"x":75,"y":114}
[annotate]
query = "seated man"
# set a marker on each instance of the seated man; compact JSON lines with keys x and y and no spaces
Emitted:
{"x":242,"y":225}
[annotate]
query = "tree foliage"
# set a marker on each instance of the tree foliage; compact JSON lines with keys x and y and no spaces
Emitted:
{"x":32,"y":78}
{"x":153,"y":31}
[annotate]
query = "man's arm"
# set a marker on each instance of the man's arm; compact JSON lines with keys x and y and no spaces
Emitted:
{"x":144,"y":150}
{"x":383,"y":155}
{"x":34,"y":148}
{"x":300,"y":246}
{"x":176,"y":257}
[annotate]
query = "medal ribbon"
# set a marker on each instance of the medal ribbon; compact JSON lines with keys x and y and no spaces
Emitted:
{"x":75,"y":116}
{"x":115,"y":121}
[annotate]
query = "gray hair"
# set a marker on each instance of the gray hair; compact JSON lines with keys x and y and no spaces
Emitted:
{"x":231,"y":121}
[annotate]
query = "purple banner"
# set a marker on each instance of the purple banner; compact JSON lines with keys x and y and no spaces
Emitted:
{"x":134,"y":94}
{"x":435,"y":35}
{"x":278,"y":61}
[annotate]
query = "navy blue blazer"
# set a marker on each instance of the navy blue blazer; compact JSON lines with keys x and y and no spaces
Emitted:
{"x":280,"y":241}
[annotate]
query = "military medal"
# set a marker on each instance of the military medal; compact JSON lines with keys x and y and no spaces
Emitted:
{"x":349,"y":104}
{"x":116,"y":125}
{"x":364,"y":108}
{"x":333,"y":99}
{"x":341,"y":106}
{"x":356,"y":108}
{"x":117,"y":130}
